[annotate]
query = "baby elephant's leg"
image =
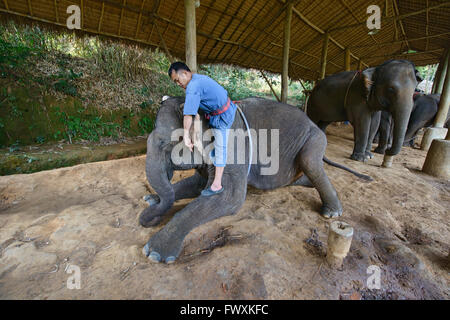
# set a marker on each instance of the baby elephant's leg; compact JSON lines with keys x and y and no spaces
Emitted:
{"x":311,"y":163}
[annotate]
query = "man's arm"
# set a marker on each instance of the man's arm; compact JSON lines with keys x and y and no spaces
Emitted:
{"x":187,"y":122}
{"x":190,"y":109}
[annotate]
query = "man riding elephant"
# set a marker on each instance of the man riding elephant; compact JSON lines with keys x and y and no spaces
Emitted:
{"x":205,"y":93}
{"x":296,"y":145}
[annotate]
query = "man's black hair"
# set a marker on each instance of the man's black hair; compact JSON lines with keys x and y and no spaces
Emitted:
{"x":176,"y":66}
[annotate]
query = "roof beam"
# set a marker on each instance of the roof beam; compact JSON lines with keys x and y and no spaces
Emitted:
{"x":155,"y":10}
{"x":215,"y":26}
{"x":121,"y":15}
{"x":6,"y":4}
{"x":224,"y":30}
{"x":101,"y":17}
{"x":312,"y":25}
{"x":202,"y":21}
{"x":56,"y":10}
{"x":399,"y":41}
{"x":171,"y":17}
{"x":30,"y":9}
{"x":274,"y":27}
{"x":394,"y":18}
{"x":401,"y":24}
{"x":236,"y":28}
{"x":280,"y":11}
{"x":246,"y":29}
{"x":82,"y":13}
{"x":426,"y":27}
{"x":356,"y":18}
{"x":139,"y":19}
{"x":169,"y":56}
{"x":403,"y":54}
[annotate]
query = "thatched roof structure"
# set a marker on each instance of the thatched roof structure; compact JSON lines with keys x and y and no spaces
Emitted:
{"x":250,"y":33}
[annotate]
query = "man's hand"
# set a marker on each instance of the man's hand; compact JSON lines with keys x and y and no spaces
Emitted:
{"x":187,"y":122}
{"x":187,"y":141}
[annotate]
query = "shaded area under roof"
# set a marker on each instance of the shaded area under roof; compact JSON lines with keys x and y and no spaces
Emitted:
{"x":249,"y":33}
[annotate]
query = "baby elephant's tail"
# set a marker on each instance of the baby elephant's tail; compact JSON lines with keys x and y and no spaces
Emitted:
{"x":340,"y":166}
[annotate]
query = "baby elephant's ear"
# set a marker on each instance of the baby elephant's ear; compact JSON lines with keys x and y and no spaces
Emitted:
{"x":368,"y":80}
{"x":182,"y":106}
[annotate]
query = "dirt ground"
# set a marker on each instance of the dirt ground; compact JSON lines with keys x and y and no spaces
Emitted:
{"x":273,"y":248}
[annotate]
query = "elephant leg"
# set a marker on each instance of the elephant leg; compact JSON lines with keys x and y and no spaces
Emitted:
{"x":166,"y":244}
{"x":383,"y":141}
{"x":361,"y":133}
{"x":411,"y":132}
{"x":310,"y":160}
{"x":374,"y":125}
{"x":187,"y":188}
{"x":190,"y":187}
{"x":303,"y":181}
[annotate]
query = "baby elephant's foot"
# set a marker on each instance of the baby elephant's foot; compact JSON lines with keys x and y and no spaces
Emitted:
{"x":359,"y":157}
{"x":369,"y":155}
{"x":328,"y":213}
{"x":159,"y":249}
{"x":152,"y":199}
{"x":148,"y":218}
{"x":379,"y":150}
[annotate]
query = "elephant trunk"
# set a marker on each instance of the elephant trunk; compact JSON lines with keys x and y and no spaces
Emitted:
{"x":158,"y":172}
{"x":401,"y":119}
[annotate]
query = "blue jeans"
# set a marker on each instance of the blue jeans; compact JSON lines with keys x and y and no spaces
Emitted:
{"x":219,"y":154}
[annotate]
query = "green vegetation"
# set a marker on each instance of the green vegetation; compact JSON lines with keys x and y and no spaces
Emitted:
{"x":55,"y":85}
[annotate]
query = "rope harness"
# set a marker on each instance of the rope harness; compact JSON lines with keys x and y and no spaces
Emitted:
{"x":249,"y":136}
{"x":349,"y":85}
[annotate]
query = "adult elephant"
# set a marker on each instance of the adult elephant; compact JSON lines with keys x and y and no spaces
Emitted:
{"x":296,"y":157}
{"x":422,"y":116}
{"x":358,"y":96}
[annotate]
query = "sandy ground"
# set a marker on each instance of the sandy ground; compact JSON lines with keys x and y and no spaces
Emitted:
{"x":273,"y":248}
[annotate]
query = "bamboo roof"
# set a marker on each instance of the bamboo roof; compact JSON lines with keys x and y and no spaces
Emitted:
{"x":249,"y":33}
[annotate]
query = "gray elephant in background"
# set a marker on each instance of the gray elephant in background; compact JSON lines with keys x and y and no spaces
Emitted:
{"x":300,"y":149}
{"x":422,"y":116}
{"x":359,"y":96}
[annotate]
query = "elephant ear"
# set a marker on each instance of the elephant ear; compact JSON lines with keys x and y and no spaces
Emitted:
{"x":368,"y":80}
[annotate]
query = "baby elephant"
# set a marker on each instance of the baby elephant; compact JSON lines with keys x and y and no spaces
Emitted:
{"x":285,"y":148}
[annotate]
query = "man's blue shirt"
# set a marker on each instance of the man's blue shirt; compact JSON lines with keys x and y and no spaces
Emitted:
{"x":205,"y":93}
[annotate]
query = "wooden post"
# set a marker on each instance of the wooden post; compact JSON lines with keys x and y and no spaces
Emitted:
{"x":286,"y":46}
{"x":443,"y":73}
{"x":445,"y":99}
{"x":437,"y":75}
{"x":437,"y":161}
{"x":323,"y":58}
{"x":359,"y":64}
{"x":347,"y":59}
{"x":191,"y":37}
{"x":438,"y":131}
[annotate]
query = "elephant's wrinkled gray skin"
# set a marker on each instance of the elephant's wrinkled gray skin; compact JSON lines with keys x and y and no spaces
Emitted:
{"x":301,"y":149}
{"x":389,"y":86}
{"x":422,"y":116}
